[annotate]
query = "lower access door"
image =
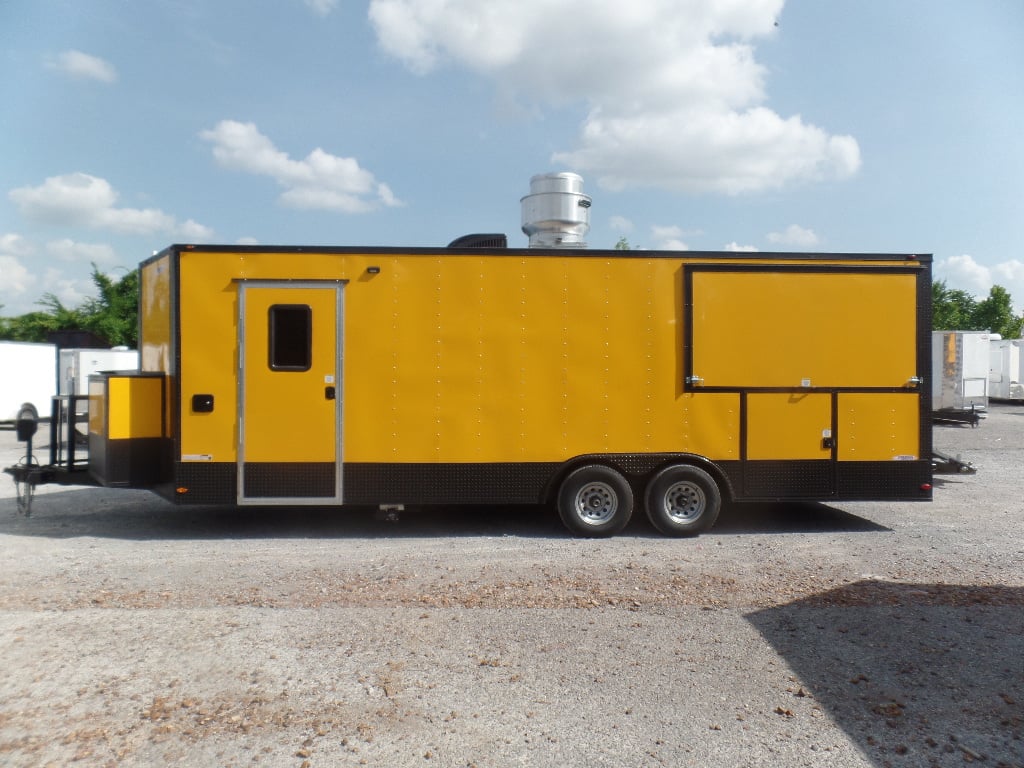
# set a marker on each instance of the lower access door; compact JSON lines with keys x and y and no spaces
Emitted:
{"x":790,"y":447}
{"x":289,"y":399}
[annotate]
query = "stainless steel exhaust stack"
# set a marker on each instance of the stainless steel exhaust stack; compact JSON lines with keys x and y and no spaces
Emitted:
{"x":556,"y":213}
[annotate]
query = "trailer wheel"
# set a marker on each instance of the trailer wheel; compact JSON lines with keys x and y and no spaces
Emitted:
{"x":682,"y":500}
{"x":595,"y":500}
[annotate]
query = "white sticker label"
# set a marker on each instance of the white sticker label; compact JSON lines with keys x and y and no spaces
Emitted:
{"x":328,"y":379}
{"x":196,"y":457}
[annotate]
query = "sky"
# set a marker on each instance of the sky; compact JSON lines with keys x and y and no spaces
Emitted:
{"x":839,"y":126}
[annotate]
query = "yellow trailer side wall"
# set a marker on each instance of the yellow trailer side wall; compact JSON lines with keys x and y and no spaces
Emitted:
{"x":498,"y":358}
{"x":564,"y":356}
{"x":97,"y":408}
{"x":156,"y":332}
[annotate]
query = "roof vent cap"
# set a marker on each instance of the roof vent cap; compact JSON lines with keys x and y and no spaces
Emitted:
{"x":556,"y":213}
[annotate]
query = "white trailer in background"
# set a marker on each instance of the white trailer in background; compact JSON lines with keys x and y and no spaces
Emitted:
{"x":960,"y":371}
{"x":1006,"y":369}
{"x":32,"y":373}
{"x":28,"y":376}
{"x":77,"y":365}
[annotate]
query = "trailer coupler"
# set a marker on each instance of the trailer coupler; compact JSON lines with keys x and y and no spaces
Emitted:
{"x":27,"y":476}
{"x":29,"y":473}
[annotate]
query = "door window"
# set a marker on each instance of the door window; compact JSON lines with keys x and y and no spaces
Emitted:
{"x":291,"y":337}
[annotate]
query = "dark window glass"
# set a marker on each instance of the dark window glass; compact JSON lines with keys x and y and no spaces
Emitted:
{"x":291,"y":337}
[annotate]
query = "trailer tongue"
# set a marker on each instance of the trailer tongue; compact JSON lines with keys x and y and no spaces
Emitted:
{"x":66,"y":463}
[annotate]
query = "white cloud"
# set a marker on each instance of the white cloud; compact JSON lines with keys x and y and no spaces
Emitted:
{"x":78,"y":199}
{"x":668,"y":238}
{"x":966,"y":274}
{"x":247,"y":241}
{"x":25,"y":281}
{"x":17,"y":279}
{"x":83,"y":66}
{"x":1010,"y":273}
{"x":620,"y":224}
{"x":321,"y":7}
{"x":18,"y":284}
{"x":681,"y":110}
{"x":89,"y":253}
{"x":320,"y":181}
{"x":15,"y":245}
{"x":69,"y":290}
{"x":661,"y":233}
{"x":737,"y":248}
{"x":193,"y":231}
{"x":794,"y":236}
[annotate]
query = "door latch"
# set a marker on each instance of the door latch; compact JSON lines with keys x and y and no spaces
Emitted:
{"x":329,"y":392}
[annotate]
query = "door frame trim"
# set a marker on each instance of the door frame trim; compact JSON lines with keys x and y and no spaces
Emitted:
{"x":338,"y":287}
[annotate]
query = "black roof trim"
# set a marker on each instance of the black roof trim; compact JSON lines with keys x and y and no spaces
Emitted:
{"x":578,"y":253}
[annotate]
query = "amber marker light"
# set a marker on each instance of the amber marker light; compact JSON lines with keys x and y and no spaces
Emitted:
{"x":181,"y":490}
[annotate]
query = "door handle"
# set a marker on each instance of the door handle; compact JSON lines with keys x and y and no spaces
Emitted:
{"x":329,"y":393}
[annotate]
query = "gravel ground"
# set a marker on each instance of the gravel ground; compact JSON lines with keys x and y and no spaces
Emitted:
{"x":135,"y":633}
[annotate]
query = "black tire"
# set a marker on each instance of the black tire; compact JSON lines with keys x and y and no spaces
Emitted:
{"x":682,"y":500}
{"x":594,"y":501}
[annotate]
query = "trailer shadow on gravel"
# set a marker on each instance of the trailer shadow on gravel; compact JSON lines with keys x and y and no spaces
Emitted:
{"x":915,"y":674}
{"x":791,"y":517}
{"x":139,"y":515}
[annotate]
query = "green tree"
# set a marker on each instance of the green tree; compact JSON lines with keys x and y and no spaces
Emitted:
{"x":995,"y":314}
{"x":34,"y":326}
{"x":957,"y":310}
{"x":112,"y":315}
{"x":952,"y":309}
{"x":622,"y":245}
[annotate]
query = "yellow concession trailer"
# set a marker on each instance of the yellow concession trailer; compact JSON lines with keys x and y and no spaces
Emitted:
{"x":597,"y":381}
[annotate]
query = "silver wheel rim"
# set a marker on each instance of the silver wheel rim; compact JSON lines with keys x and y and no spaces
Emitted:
{"x":684,"y":502}
{"x":596,"y":503}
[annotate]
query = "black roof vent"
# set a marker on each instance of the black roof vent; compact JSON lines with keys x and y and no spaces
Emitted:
{"x":480,"y":241}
